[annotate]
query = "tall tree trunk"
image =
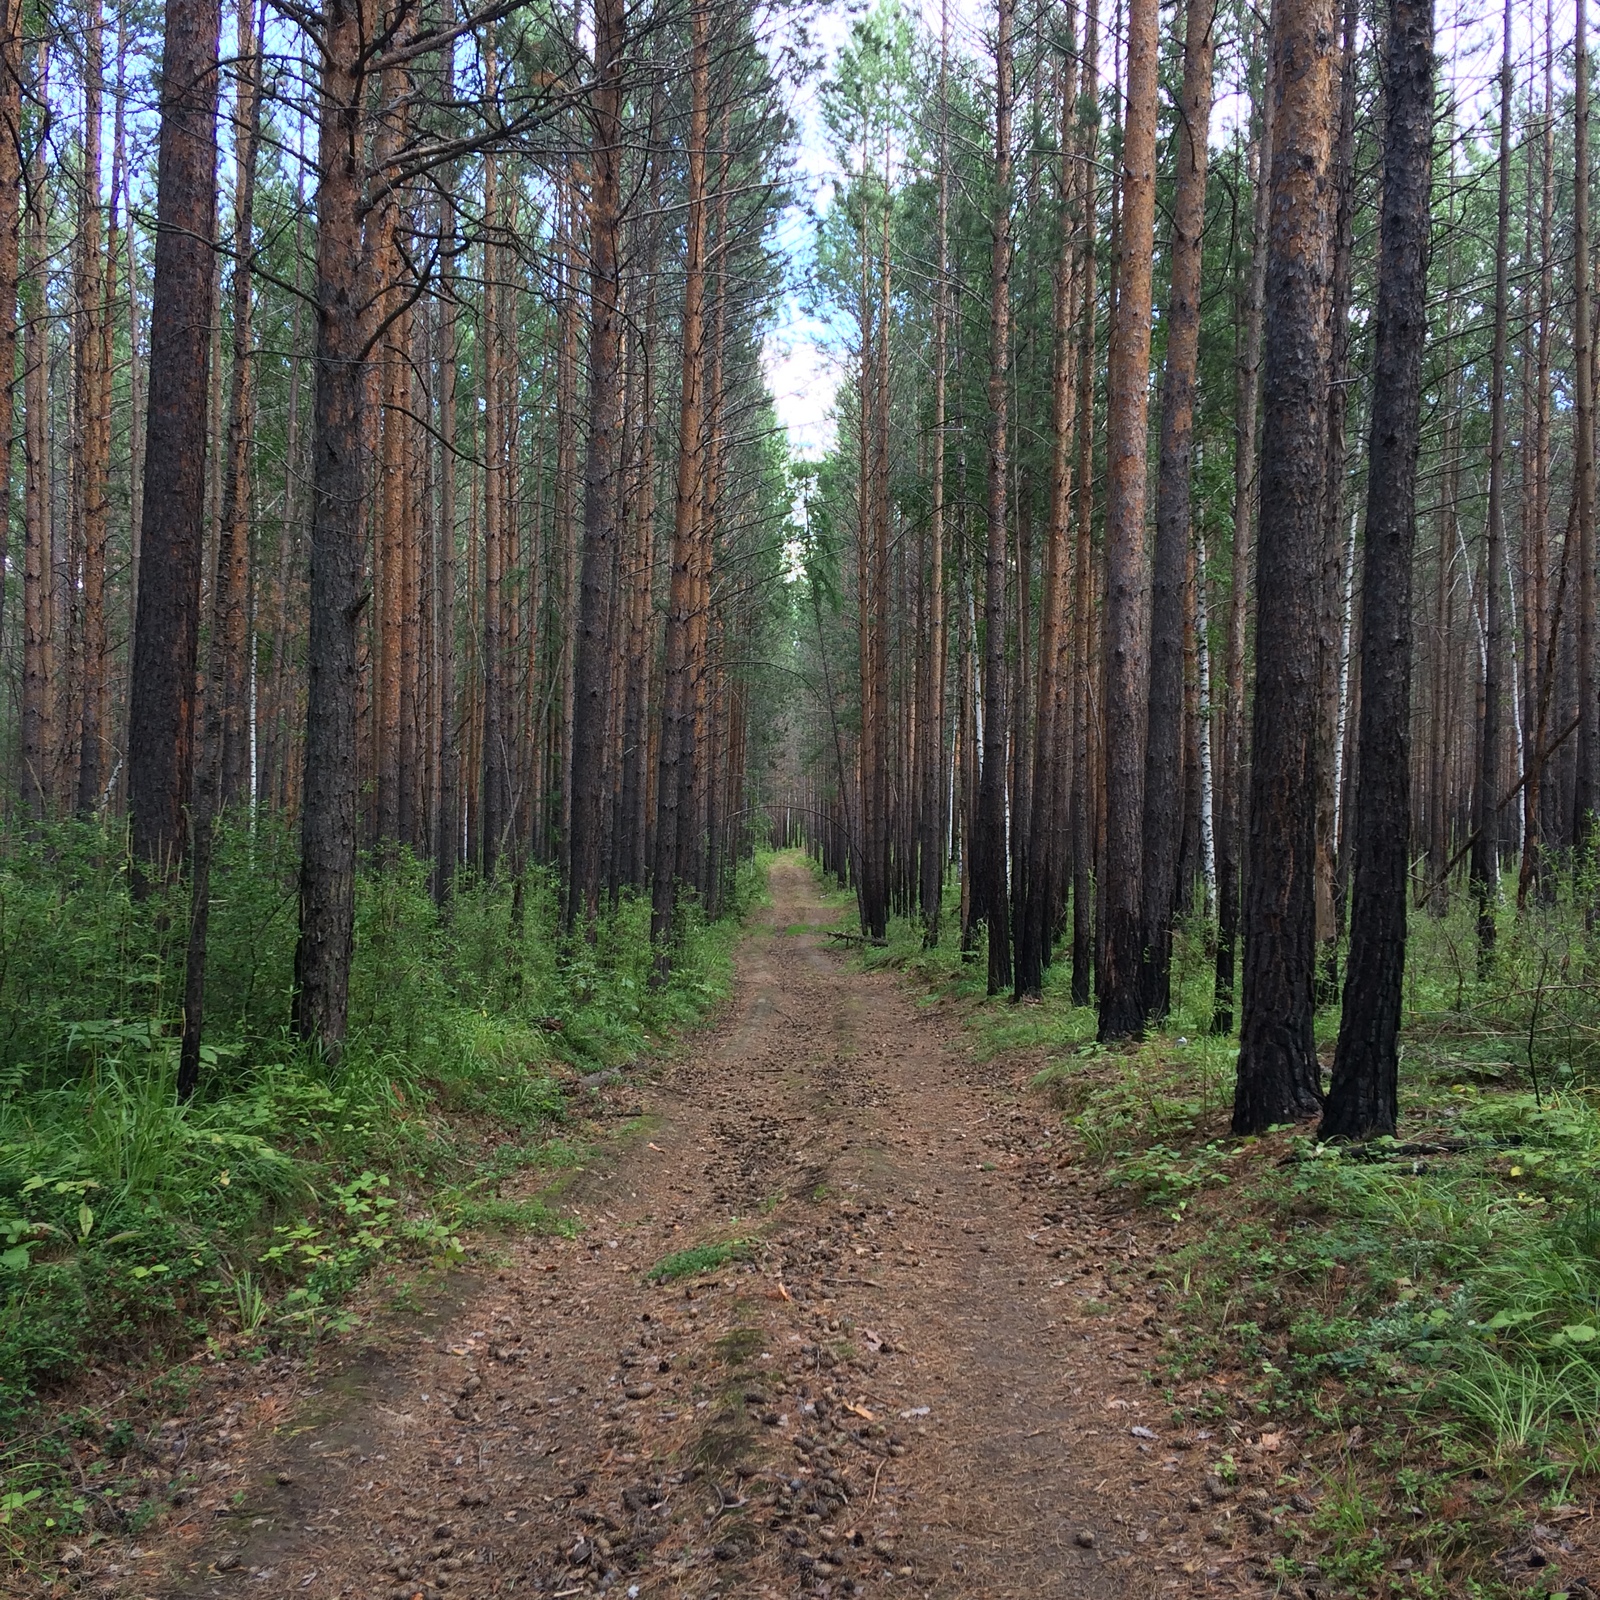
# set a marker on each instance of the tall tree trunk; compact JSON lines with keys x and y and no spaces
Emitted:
{"x":1127,"y":666}
{"x":634,"y":786}
{"x":1588,"y":757}
{"x":119,"y":245}
{"x":224,"y":744}
{"x":566,"y":564}
{"x":92,"y":404}
{"x":223,"y":775}
{"x":868,"y":488}
{"x":411,"y":824}
{"x":1279,"y":1079}
{"x":38,"y":557}
{"x":230,"y":672}
{"x":11,"y":69}
{"x":1163,"y":823}
{"x":1363,"y":1096}
{"x":696,"y":767}
{"x":1034,"y":927}
{"x":1202,"y":650}
{"x":1484,"y":869}
{"x":167,"y":628}
{"x":1330,"y":591}
{"x":328,"y":807}
{"x":930,"y":844}
{"x":676,"y":707}
{"x":878,"y":610}
{"x":1230,"y":831}
{"x":992,"y":780}
{"x":595,"y":645}
{"x":447,"y":837}
{"x":1084,"y":703}
{"x":1537,"y":503}
{"x":496,"y":782}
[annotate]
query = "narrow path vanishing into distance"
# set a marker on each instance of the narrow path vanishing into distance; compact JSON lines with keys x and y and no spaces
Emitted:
{"x":928,"y":1371}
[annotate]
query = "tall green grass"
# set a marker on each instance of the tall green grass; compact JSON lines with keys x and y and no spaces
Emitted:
{"x":1458,"y":1287}
{"x":129,"y":1221}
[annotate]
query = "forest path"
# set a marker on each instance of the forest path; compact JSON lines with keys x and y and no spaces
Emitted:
{"x":922,"y":1377}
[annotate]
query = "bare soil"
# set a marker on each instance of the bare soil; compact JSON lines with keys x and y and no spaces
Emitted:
{"x":929,"y":1368}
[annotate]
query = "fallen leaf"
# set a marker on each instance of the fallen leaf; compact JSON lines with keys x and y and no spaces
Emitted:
{"x":859,"y":1411}
{"x":1271,"y":1441}
{"x":1142,"y":1433}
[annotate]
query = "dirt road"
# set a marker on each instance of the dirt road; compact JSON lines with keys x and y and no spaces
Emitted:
{"x":923,"y":1372}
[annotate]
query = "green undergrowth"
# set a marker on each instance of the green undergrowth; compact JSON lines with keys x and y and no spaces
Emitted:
{"x":698,"y":1259}
{"x":134,"y":1229}
{"x":1423,"y":1312}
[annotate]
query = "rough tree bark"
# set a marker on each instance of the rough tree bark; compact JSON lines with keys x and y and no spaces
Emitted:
{"x":992,"y":779}
{"x":1230,"y":826}
{"x":37,"y":556}
{"x":1483,"y":873}
{"x":1331,"y":587}
{"x":1127,"y":429}
{"x":11,"y":47}
{"x":1042,"y":858}
{"x":1083,"y":706}
{"x":1588,"y":754}
{"x":447,"y":835}
{"x":231,"y":675}
{"x":675,"y":707}
{"x":328,"y":804}
{"x":1279,"y":1078}
{"x":595,"y":645}
{"x":167,"y":626}
{"x":1363,"y":1096}
{"x":930,"y":845}
{"x":1537,"y":502}
{"x":91,"y":456}
{"x":1163,"y":762}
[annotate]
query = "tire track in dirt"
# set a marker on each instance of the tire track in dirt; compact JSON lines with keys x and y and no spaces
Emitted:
{"x":908,"y":1384}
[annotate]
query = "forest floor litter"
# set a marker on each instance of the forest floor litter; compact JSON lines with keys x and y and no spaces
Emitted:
{"x":842,"y":1316}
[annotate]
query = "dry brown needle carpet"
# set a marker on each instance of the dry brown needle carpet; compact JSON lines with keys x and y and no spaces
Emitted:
{"x":912,"y":1378}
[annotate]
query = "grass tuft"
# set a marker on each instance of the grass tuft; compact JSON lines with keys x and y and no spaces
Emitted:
{"x":698,"y":1259}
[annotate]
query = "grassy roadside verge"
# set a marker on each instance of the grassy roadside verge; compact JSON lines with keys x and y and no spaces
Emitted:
{"x":138,"y":1238}
{"x":1420,"y":1317}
